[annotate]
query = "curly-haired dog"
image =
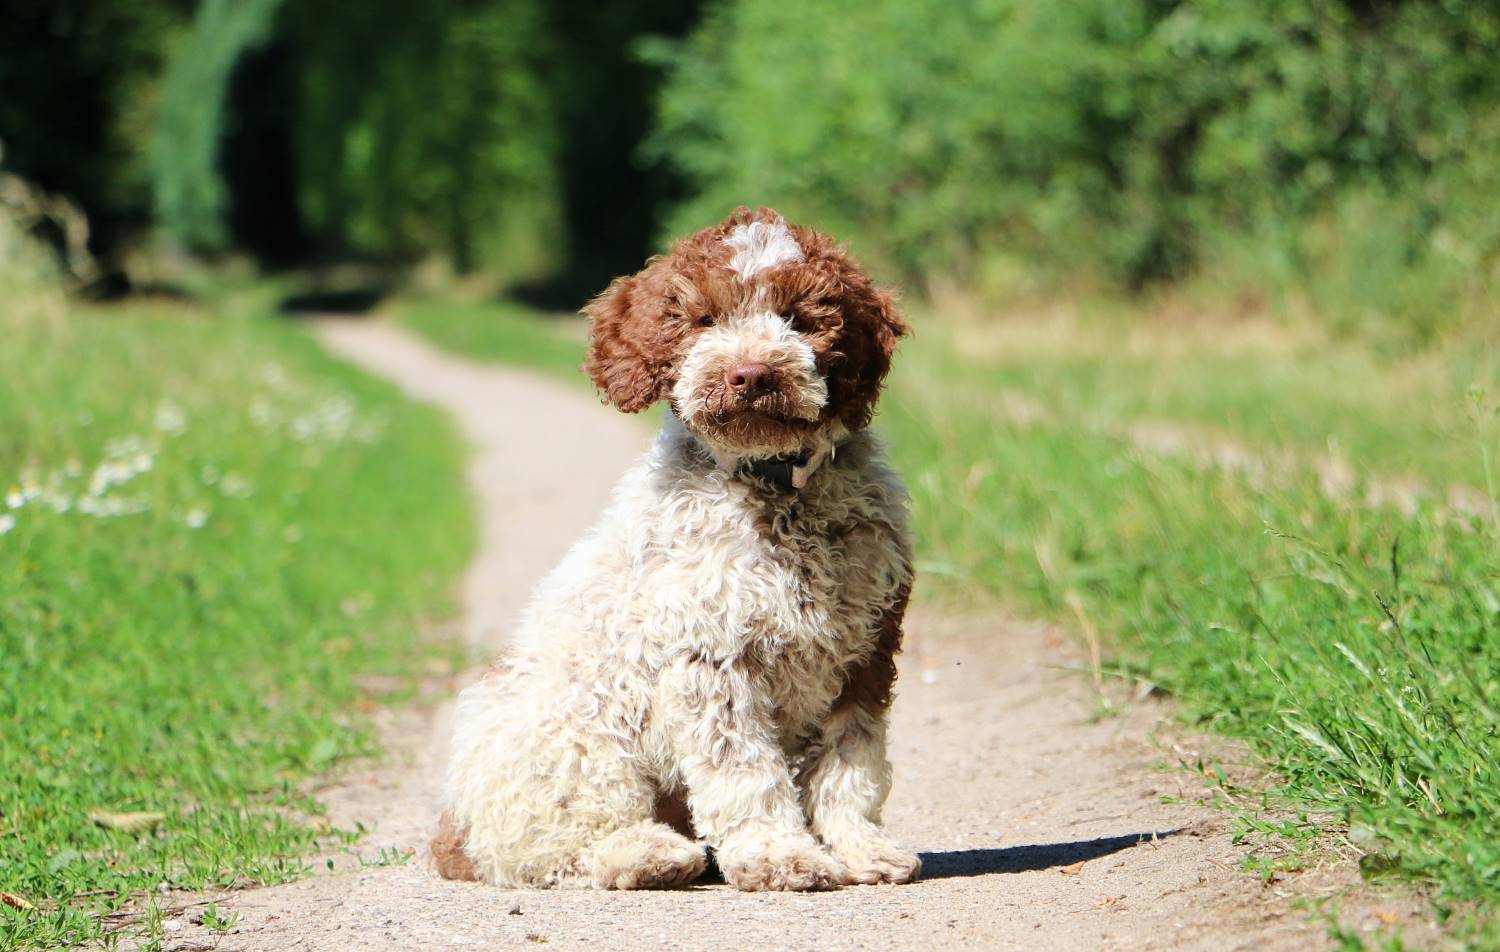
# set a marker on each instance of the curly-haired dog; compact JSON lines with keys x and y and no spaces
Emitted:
{"x":724,"y":637}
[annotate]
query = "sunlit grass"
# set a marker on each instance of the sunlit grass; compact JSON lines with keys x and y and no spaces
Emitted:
{"x":1355,"y":645}
{"x":211,"y":532}
{"x":502,"y":331}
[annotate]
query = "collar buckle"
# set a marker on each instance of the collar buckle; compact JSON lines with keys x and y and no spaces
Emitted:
{"x":786,"y":472}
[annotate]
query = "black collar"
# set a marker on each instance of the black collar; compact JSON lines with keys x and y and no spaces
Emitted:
{"x":776,"y":470}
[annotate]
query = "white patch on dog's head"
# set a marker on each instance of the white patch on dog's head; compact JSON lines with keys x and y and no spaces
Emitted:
{"x":761,"y":246}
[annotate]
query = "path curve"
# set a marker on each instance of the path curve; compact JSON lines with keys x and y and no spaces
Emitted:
{"x":1040,"y":826}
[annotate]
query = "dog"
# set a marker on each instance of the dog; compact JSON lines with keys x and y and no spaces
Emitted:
{"x":712,"y":664}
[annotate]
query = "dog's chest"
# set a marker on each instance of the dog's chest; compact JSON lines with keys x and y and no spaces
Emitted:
{"x":806,"y":579}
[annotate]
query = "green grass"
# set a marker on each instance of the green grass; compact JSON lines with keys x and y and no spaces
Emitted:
{"x":1356,"y":647}
{"x":1394,"y":413}
{"x":1354,"y":644}
{"x":214,"y":533}
{"x":504,"y":332}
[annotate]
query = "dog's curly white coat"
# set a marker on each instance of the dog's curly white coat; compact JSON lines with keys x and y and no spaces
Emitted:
{"x":693,"y":644}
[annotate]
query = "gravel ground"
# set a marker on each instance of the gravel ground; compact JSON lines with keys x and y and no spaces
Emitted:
{"x":1041,"y":826}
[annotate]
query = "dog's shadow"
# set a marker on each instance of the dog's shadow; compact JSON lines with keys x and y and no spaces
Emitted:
{"x":1024,"y":859}
{"x":954,"y":864}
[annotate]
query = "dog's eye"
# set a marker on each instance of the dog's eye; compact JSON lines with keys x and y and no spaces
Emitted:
{"x":706,"y":320}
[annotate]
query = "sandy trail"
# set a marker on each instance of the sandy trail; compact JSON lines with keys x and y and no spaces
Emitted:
{"x":1040,"y":826}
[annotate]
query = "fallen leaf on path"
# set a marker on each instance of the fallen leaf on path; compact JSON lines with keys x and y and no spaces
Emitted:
{"x":16,"y":902}
{"x":1107,"y":901}
{"x":127,"y":822}
{"x":1071,"y":869}
{"x":1387,"y":917}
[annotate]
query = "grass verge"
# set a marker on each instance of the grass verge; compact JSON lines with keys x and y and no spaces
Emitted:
{"x":501,"y":331}
{"x":1352,"y":639}
{"x":211,"y":535}
{"x":1296,"y":538}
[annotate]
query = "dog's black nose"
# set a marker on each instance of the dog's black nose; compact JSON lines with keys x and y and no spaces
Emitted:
{"x":751,"y":380}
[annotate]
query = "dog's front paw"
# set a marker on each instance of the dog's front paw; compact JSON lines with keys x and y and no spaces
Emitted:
{"x":872,"y":861}
{"x":648,"y":859}
{"x":780,"y":867}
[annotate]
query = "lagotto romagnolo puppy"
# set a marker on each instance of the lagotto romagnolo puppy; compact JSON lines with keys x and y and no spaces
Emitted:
{"x":712,"y":664}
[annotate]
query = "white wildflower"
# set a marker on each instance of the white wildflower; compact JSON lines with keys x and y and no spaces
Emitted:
{"x":72,"y":468}
{"x":235,"y":485}
{"x":124,"y":447}
{"x":107,"y":507}
{"x":7,"y":522}
{"x":261,"y":413}
{"x":329,"y":421}
{"x":14,"y":499}
{"x":195,"y":519}
{"x":107,"y":474}
{"x":170,"y":418}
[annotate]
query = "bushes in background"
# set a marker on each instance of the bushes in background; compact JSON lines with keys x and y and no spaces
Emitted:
{"x":1345,"y":148}
{"x":400,"y":128}
{"x":79,"y":91}
{"x":190,"y":196}
{"x":496,"y":133}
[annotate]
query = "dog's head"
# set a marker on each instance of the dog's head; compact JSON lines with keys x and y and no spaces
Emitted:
{"x":766,"y":337}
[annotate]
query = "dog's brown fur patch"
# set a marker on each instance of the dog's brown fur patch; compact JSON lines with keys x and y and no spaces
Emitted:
{"x":672,"y":809}
{"x":871,"y":683}
{"x":448,"y":851}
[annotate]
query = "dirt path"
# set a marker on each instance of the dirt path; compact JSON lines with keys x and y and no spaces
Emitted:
{"x":1040,"y":826}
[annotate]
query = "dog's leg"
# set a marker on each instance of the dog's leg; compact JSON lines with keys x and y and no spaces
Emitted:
{"x":740,"y":790}
{"x":845,"y":784}
{"x":542,"y":795}
{"x":846,"y":777}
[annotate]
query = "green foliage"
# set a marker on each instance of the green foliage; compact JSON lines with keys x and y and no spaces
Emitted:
{"x":30,"y":285}
{"x":429,"y":126}
{"x":414,"y":128}
{"x":981,"y":140}
{"x":190,"y":196}
{"x":79,"y":80}
{"x":504,"y":332}
{"x":210,"y":533}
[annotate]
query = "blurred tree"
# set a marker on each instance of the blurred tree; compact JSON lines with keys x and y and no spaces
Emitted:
{"x":191,"y":122}
{"x":429,"y":127}
{"x":612,"y":195}
{"x":257,"y":156}
{"x":500,"y":133}
{"x":77,"y":85}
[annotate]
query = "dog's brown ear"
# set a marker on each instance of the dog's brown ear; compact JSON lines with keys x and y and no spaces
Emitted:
{"x":630,"y":353}
{"x":866,"y":341}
